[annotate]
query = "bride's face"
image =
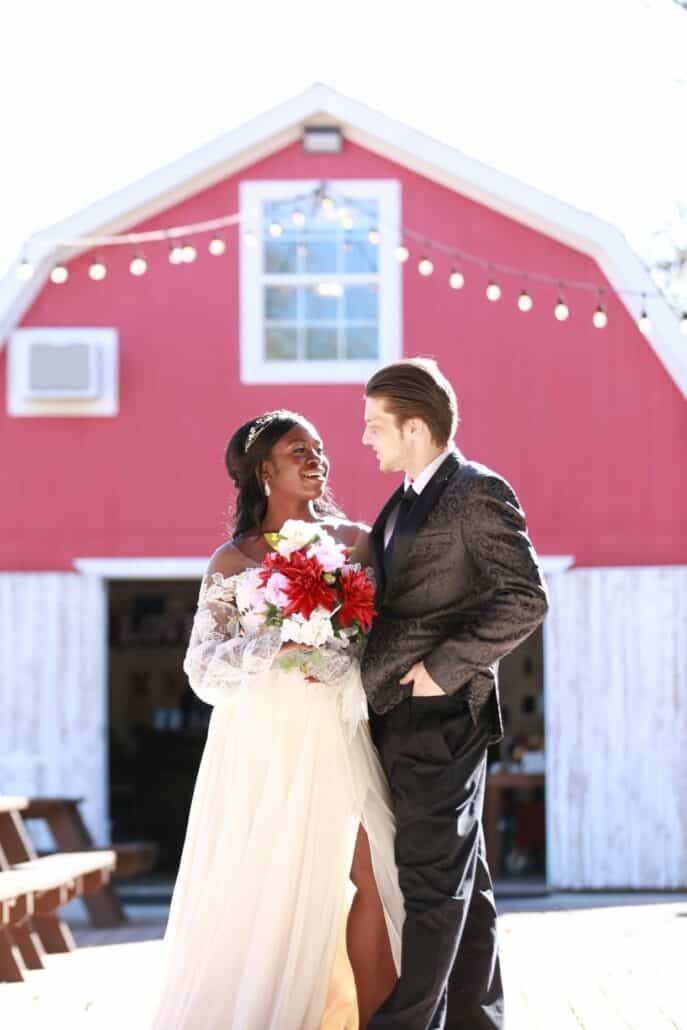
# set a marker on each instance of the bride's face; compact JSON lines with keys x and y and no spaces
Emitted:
{"x":384,"y":436}
{"x":297,"y":466}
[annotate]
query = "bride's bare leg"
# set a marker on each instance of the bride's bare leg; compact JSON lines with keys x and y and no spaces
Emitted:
{"x":366,"y":936}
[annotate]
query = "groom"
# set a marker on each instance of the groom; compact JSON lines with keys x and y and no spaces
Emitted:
{"x":458,"y":588}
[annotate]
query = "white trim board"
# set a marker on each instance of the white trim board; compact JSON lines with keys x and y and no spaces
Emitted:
{"x":360,"y":124}
{"x":194,"y":568}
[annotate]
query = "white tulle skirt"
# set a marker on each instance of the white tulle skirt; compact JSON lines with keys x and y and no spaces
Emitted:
{"x":288,"y":774}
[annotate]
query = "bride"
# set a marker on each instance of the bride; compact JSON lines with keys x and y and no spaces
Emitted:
{"x":290,"y":800}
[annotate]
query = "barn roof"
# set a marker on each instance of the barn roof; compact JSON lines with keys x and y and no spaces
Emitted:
{"x":436,"y":161}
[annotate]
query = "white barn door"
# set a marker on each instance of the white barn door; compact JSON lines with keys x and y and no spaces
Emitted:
{"x":53,"y":696}
{"x":616,"y":724}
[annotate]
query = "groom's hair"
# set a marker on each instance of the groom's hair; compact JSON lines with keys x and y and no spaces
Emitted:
{"x":415,"y":388}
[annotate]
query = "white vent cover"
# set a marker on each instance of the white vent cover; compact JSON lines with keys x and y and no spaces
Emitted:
{"x":62,"y":369}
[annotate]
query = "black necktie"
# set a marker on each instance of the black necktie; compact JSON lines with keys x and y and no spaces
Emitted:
{"x":403,"y":511}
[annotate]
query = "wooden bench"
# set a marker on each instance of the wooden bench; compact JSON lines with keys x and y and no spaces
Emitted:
{"x":32,"y":890}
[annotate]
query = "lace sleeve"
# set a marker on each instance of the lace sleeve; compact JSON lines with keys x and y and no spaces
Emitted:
{"x":220,"y":661}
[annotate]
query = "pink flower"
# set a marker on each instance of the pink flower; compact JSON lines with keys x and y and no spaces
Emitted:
{"x":275,"y":590}
{"x":331,"y":556}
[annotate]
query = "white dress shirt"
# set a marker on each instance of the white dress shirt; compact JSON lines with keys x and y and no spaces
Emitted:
{"x":418,"y":484}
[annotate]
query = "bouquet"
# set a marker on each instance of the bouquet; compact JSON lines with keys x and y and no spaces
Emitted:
{"x":308,"y":588}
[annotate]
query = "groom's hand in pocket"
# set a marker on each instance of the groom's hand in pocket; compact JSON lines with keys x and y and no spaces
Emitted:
{"x":423,"y":684}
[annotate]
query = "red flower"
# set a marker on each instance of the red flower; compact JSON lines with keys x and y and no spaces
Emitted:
{"x":306,"y":590}
{"x":357,"y":595}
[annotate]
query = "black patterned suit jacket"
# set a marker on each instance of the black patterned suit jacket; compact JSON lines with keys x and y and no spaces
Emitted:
{"x":464,"y":589}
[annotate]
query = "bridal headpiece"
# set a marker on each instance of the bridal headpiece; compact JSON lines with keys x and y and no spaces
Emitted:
{"x":258,"y":427}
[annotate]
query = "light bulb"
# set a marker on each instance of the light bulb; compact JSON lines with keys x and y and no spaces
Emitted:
{"x":328,"y":289}
{"x":561,"y":310}
{"x":59,"y":274}
{"x":644,"y":322}
{"x":599,"y":318}
{"x":425,"y":266}
{"x":456,"y":279}
{"x":25,"y":270}
{"x":250,"y":238}
{"x":525,"y":302}
{"x":402,"y":253}
{"x":139,"y":265}
{"x":683,"y":323}
{"x":373,"y":236}
{"x":188,"y":253}
{"x":97,"y":271}
{"x":275,"y":230}
{"x":217,"y":246}
{"x":176,"y":254}
{"x":298,"y":217}
{"x":327,"y":206}
{"x":493,"y":291}
{"x":346,"y":219}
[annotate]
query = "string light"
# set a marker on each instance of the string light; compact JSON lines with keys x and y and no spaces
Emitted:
{"x":644,"y":322}
{"x":599,"y":318}
{"x":525,"y":302}
{"x":328,"y":289}
{"x":59,"y":274}
{"x":456,"y":279}
{"x":139,"y":265}
{"x":97,"y":270}
{"x":331,"y":207}
{"x":561,"y":311}
{"x":217,"y":246}
{"x":25,"y":270}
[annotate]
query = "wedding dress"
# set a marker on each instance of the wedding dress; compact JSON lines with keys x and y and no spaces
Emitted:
{"x":255,"y":933}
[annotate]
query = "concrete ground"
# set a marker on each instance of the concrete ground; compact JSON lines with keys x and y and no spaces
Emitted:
{"x":570,"y":961}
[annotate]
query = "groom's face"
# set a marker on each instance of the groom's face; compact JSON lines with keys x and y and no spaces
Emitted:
{"x":383,"y":435}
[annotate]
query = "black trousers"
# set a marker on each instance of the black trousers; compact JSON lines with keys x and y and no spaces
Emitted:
{"x":435,"y":759}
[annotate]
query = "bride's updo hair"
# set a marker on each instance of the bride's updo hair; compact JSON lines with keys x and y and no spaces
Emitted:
{"x":252,"y":444}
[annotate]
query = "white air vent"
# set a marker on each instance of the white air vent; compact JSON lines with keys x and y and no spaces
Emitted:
{"x":63,"y":371}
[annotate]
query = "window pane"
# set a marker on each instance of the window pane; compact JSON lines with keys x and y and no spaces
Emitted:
{"x":360,"y":256}
{"x":281,"y":303}
{"x":319,"y":308}
{"x":361,"y":302}
{"x":280,"y":255}
{"x":321,"y":255}
{"x":362,"y":342}
{"x":281,"y":344}
{"x":320,"y":344}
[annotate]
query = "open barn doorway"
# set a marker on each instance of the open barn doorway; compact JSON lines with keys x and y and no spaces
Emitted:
{"x":157,"y":725}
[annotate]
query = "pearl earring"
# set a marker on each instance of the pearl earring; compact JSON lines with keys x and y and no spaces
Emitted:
{"x":267,"y":488}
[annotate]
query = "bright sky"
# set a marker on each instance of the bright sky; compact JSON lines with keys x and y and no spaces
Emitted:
{"x":587,"y":101}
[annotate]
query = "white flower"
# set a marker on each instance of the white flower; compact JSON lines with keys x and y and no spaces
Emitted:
{"x":275,"y":590}
{"x":314,"y":632}
{"x":295,"y":534}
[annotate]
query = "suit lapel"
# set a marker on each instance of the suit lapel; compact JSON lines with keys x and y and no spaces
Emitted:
{"x":377,"y":539}
{"x":418,"y":514}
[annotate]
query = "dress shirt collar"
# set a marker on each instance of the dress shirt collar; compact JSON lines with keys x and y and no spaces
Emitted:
{"x":420,"y":482}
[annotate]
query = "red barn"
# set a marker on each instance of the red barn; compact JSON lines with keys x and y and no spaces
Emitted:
{"x":123,"y":388}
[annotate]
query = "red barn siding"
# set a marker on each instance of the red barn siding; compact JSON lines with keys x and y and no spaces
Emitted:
{"x":586,"y":424}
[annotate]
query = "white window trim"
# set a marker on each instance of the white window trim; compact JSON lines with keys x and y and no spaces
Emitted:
{"x":107,"y":404}
{"x":254,"y":369}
